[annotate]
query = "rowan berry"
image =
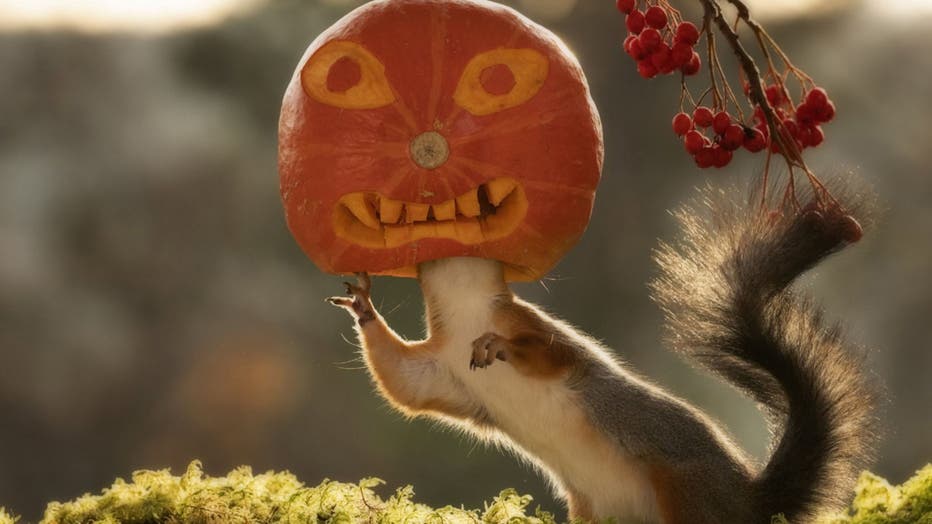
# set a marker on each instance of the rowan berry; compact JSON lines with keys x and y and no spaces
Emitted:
{"x":656,"y":17}
{"x":720,"y":122}
{"x":774,"y":95}
{"x":817,"y":97}
{"x":625,"y":6}
{"x":754,"y":140}
{"x":812,"y":136}
{"x":705,"y":158}
{"x":662,"y":59}
{"x":687,"y":33}
{"x":791,"y":128}
{"x":682,"y":124}
{"x":692,"y":67}
{"x":681,"y":53}
{"x":647,"y":69}
{"x":702,"y":116}
{"x":825,"y":113}
{"x":806,"y":114}
{"x":733,"y":137}
{"x":721,"y":157}
{"x":650,"y":39}
{"x":694,"y":142}
{"x":636,"y":49}
{"x":635,"y":21}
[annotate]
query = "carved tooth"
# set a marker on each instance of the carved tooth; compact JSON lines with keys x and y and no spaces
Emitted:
{"x":358,"y":204}
{"x":498,"y":189}
{"x":397,"y":235}
{"x":416,"y":212}
{"x":468,"y":203}
{"x":424,"y":230}
{"x":469,"y":231}
{"x":445,"y":211}
{"x":446,"y":229}
{"x":390,"y":210}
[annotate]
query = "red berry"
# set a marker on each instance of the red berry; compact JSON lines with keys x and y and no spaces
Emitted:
{"x":825,"y":113}
{"x":650,"y":39}
{"x":720,"y":122}
{"x":705,"y":158}
{"x":754,"y":140}
{"x":681,"y":53}
{"x":774,"y":95}
{"x":692,"y":67}
{"x":656,"y":17}
{"x":721,"y":157}
{"x":812,"y":136}
{"x":662,"y":59}
{"x":687,"y":33}
{"x":625,"y":6}
{"x":647,"y":69}
{"x":806,"y":114}
{"x":733,"y":137}
{"x":626,"y":45}
{"x":635,"y":21}
{"x":817,"y":97}
{"x":682,"y":124}
{"x":702,"y":116}
{"x":636,"y":49}
{"x":694,"y":142}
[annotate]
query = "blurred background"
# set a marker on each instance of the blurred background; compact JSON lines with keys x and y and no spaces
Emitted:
{"x":154,"y":308}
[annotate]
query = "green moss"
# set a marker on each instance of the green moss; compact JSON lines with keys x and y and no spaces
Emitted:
{"x":155,"y":497}
{"x":6,"y":518}
{"x":159,"y":497}
{"x":877,"y":502}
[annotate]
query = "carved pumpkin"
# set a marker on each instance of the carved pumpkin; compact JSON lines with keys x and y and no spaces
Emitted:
{"x":420,"y":129}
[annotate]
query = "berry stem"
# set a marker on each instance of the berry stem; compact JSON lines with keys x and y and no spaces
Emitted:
{"x":710,"y":41}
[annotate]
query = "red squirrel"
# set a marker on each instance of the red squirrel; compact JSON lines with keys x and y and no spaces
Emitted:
{"x":615,"y":445}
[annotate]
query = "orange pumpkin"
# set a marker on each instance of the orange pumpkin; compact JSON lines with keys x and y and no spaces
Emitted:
{"x":420,"y":129}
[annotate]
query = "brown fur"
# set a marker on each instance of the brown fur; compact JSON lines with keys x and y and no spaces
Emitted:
{"x":533,"y":347}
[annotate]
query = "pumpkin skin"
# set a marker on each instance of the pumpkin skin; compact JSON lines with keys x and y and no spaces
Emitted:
{"x":414,"y":130}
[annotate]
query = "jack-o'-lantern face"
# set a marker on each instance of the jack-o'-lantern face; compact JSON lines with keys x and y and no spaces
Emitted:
{"x":420,"y":129}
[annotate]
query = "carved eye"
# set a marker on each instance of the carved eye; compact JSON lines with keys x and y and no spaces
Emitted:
{"x":500,"y":79}
{"x":346,"y":75}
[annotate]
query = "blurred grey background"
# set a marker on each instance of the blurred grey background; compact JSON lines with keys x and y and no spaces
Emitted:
{"x":154,"y":308}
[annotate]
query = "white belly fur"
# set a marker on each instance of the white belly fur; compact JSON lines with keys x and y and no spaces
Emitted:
{"x":541,"y":418}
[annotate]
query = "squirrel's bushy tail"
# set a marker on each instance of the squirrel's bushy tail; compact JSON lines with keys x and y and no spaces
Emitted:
{"x":725,"y":287}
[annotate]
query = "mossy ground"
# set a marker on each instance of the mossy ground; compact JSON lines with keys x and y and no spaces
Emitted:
{"x":154,"y":497}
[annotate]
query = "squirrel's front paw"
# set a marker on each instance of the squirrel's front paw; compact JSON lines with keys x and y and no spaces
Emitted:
{"x":486,"y":349}
{"x":360,"y":306}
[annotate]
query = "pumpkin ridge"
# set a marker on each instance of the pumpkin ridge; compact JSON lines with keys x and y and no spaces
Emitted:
{"x":403,"y":110}
{"x":438,"y":45}
{"x":498,"y":129}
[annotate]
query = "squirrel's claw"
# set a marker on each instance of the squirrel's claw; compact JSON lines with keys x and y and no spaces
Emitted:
{"x":340,"y":302}
{"x":486,"y":349}
{"x":359,"y":305}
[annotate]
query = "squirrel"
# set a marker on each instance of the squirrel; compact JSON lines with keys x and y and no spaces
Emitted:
{"x":615,"y":445}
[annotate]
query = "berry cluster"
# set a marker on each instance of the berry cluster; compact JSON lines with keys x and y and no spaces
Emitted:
{"x":658,"y":46}
{"x":801,"y":123}
{"x":728,"y":136}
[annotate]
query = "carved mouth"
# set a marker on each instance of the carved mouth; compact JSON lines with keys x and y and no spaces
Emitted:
{"x":489,"y":212}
